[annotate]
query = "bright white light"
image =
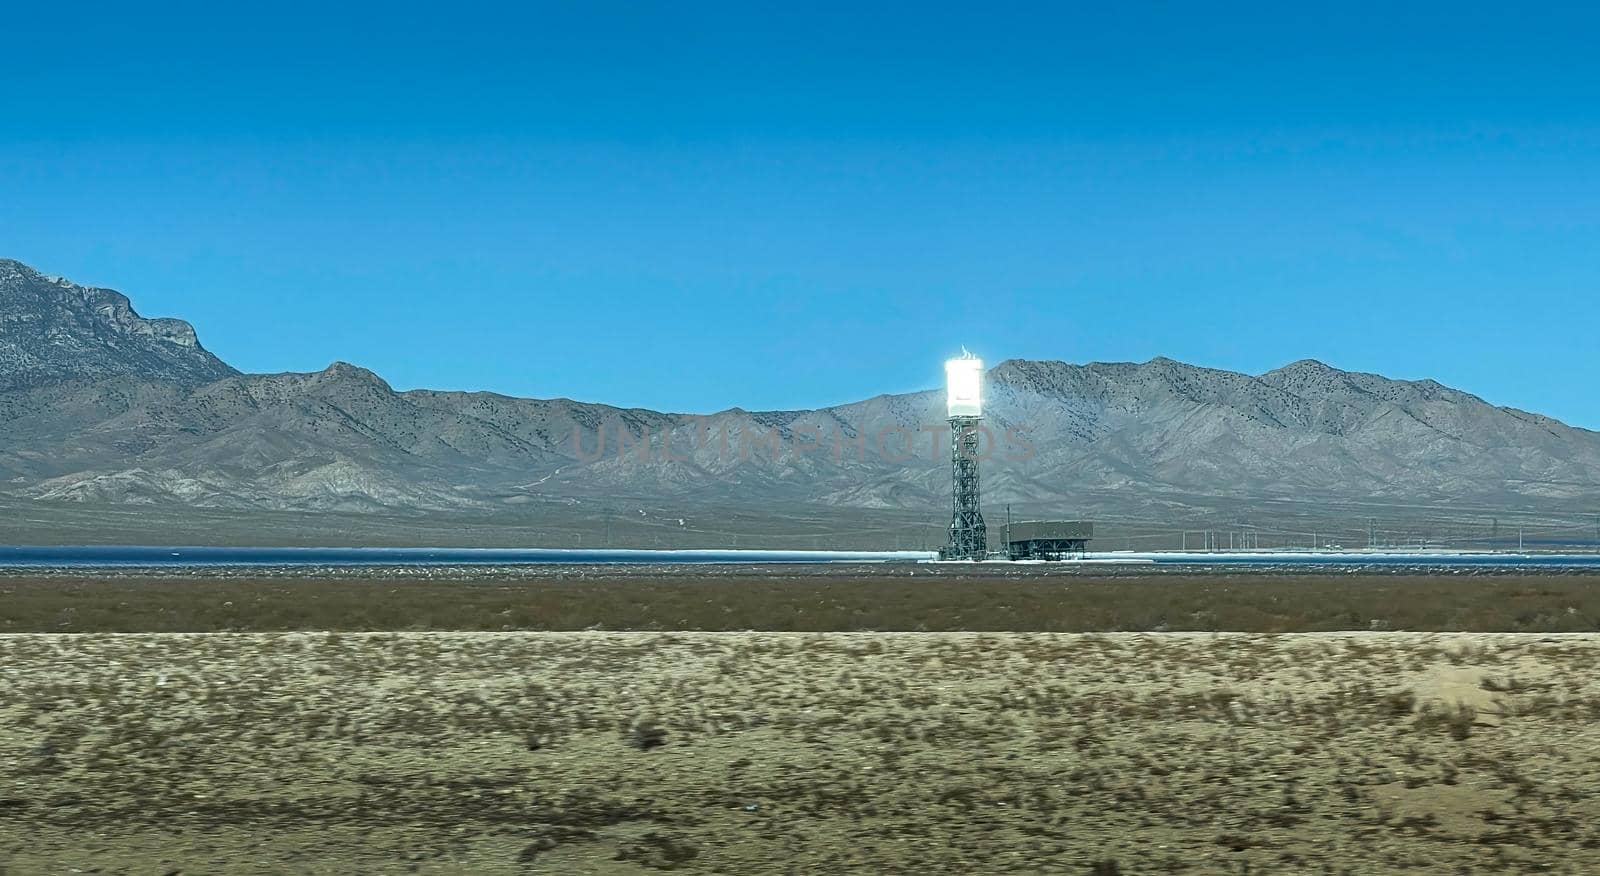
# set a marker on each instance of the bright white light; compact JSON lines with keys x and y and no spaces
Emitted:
{"x":964,"y":386}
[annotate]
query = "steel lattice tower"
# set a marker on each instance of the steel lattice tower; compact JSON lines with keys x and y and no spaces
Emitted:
{"x":969,"y":537}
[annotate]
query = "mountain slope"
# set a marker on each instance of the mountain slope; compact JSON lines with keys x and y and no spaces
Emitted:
{"x":138,"y":417}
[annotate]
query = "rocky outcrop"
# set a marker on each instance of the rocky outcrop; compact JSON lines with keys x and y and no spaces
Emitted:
{"x":53,"y":330}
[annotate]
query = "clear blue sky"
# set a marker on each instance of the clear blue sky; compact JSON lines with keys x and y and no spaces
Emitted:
{"x":691,"y":206}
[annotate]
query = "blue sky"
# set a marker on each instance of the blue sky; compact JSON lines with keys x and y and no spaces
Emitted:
{"x":693,"y":206}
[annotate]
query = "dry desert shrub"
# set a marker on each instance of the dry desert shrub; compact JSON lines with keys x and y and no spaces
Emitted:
{"x":646,"y":735}
{"x":1399,"y":703}
{"x":1511,"y":684}
{"x":658,"y":851}
{"x":1457,"y":718}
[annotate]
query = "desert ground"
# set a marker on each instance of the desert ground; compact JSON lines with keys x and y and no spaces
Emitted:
{"x":605,"y":752}
{"x":797,"y":721}
{"x":888,"y":597}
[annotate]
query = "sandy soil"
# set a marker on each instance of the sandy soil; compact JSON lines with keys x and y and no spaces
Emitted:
{"x":799,"y":753}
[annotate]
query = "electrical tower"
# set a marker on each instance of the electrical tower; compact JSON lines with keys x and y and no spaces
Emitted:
{"x":969,"y":538}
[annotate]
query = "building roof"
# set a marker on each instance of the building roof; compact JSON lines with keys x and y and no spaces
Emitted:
{"x":1043,"y":530}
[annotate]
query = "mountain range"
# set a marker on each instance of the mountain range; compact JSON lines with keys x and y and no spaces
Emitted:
{"x":101,"y":407}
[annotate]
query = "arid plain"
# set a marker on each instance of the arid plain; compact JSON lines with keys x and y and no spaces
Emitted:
{"x":799,"y":752}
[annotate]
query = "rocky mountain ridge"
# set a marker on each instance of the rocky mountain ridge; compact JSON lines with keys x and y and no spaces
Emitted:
{"x":52,"y":329}
{"x":141,"y":414}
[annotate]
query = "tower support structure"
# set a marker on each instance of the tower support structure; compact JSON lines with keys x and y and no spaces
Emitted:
{"x":969,"y":537}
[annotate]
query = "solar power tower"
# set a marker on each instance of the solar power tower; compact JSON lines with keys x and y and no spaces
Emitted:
{"x":969,"y":538}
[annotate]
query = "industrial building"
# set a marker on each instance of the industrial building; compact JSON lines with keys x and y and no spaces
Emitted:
{"x":1048,"y":539}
